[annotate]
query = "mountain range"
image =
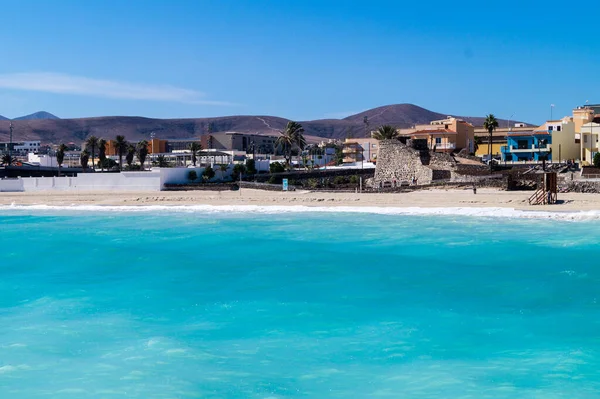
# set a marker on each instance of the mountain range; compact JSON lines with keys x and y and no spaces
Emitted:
{"x":52,"y":130}
{"x":34,"y":116}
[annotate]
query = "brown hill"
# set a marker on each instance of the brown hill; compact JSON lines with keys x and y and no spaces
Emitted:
{"x":53,"y":131}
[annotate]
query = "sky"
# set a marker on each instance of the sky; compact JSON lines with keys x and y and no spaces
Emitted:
{"x":301,"y":60}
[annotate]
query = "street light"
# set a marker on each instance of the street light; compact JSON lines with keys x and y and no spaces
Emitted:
{"x":10,"y":144}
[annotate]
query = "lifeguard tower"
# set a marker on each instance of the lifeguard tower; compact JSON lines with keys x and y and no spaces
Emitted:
{"x":547,"y":190}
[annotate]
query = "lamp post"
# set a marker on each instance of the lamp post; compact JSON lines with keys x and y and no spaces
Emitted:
{"x":10,"y":144}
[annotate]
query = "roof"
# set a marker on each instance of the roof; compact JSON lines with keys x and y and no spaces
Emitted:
{"x":432,"y":131}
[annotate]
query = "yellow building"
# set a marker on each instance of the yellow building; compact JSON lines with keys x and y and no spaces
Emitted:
{"x":498,"y":138}
{"x":438,"y":140}
{"x":358,"y":150}
{"x":463,"y":137}
{"x":590,"y":132}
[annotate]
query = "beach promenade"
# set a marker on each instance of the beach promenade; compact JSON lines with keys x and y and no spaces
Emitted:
{"x":438,"y":198}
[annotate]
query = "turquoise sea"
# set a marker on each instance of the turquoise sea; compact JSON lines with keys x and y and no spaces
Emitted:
{"x":250,"y":304}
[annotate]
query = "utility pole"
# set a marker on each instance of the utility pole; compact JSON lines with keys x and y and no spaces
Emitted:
{"x":10,"y":143}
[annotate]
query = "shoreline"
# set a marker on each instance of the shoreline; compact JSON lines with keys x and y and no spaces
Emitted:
{"x":487,"y":202}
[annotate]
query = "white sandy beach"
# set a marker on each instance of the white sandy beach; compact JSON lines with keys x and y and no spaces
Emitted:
{"x":451,"y":198}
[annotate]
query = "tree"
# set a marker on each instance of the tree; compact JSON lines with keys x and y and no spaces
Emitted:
{"x":276,"y":167}
{"x":84,"y":158}
{"x":7,"y":160}
{"x":490,"y":124}
{"x":192,"y":175}
{"x":386,"y":132}
{"x":142,"y":152}
{"x":162,"y":161}
{"x":238,"y":170}
{"x":208,"y":173}
{"x":223,"y":169}
{"x":251,"y":166}
{"x":60,"y":156}
{"x":130,"y":155}
{"x":195,"y":148}
{"x":477,"y":143}
{"x":121,"y":147}
{"x":102,"y":153}
{"x":597,"y":160}
{"x":289,"y":138}
{"x":91,"y":144}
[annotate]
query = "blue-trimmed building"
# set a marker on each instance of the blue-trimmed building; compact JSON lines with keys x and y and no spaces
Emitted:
{"x":528,"y":146}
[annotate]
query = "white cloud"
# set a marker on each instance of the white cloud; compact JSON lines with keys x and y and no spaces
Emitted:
{"x":78,"y":85}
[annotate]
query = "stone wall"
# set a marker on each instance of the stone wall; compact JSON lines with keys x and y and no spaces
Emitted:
{"x":401,"y":162}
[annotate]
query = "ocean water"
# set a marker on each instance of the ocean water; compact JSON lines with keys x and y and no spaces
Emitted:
{"x":241,"y":303}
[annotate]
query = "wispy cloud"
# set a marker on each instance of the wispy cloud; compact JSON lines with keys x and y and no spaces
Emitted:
{"x":78,"y":85}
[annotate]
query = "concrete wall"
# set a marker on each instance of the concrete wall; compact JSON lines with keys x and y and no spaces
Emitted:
{"x":11,"y":185}
{"x":125,"y":181}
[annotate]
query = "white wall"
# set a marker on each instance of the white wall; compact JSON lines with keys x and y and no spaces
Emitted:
{"x":11,"y":185}
{"x":125,"y":181}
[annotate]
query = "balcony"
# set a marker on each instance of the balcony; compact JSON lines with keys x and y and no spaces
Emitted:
{"x":534,"y":148}
{"x":443,"y":146}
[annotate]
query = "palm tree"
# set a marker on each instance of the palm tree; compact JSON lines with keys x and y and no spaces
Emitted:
{"x":162,"y":161}
{"x":477,"y":143}
{"x":386,"y":132}
{"x":142,"y":152}
{"x":102,"y":153}
{"x":121,"y":147}
{"x":490,"y":124}
{"x":291,"y":137}
{"x":91,"y":144}
{"x":7,"y":160}
{"x":130,"y":155}
{"x":60,"y":156}
{"x":84,"y":157}
{"x":194,"y":149}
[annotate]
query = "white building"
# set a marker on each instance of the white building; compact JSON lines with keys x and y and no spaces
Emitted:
{"x":41,"y":160}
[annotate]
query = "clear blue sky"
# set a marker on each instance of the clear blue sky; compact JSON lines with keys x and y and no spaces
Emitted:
{"x":301,"y":59}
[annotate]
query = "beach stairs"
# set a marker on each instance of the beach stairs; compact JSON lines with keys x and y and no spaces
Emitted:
{"x":547,"y":190}
{"x":540,"y":197}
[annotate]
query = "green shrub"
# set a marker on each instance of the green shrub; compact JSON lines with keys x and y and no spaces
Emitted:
{"x":192,"y":175}
{"x":312,"y":183}
{"x":275,"y":180}
{"x":251,"y":166}
{"x":340,"y":180}
{"x":597,"y":160}
{"x":354,"y":179}
{"x":276,"y":167}
{"x":208,"y":173}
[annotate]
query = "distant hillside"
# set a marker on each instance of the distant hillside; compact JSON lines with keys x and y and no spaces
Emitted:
{"x":138,"y":128}
{"x":2,"y":118}
{"x":37,"y":116}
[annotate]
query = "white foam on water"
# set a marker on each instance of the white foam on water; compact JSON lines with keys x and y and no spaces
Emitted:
{"x":496,"y":212}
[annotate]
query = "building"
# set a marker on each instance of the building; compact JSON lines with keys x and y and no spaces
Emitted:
{"x":234,"y":141}
{"x":499,"y":135}
{"x":21,"y":147}
{"x":450,"y":134}
{"x":533,"y":145}
{"x":589,"y":142}
{"x":438,"y":140}
{"x":359,"y":150}
{"x":565,"y":143}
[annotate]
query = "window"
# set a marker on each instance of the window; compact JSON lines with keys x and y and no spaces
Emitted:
{"x":558,"y":128}
{"x":550,"y":128}
{"x":438,"y":140}
{"x":585,"y":139}
{"x":522,"y":144}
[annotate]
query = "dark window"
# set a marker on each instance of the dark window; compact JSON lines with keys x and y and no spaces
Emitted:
{"x":522,"y":144}
{"x":550,"y":128}
{"x":558,"y":128}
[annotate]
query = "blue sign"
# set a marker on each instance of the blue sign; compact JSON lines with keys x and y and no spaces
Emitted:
{"x":285,"y":184}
